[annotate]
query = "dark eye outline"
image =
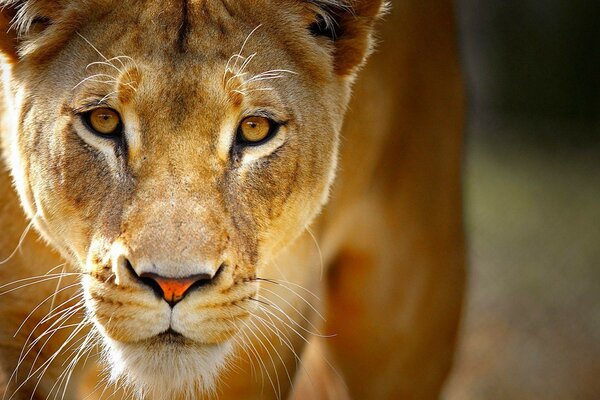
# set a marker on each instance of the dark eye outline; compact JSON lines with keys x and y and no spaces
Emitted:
{"x":274,"y":127}
{"x":86,"y":119}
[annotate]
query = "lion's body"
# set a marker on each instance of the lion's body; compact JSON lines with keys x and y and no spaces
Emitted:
{"x":389,"y":240}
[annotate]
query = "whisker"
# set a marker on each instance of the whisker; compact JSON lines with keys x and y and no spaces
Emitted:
{"x":51,"y":359}
{"x":263,"y":368}
{"x":23,"y":349}
{"x":44,"y":367}
{"x":298,"y":295}
{"x":278,"y":391}
{"x":273,"y":328}
{"x":99,"y":52}
{"x":304,"y":339}
{"x":239,"y":343}
{"x":239,"y":54}
{"x":32,"y":278}
{"x":107,"y":96}
{"x":264,"y":335}
{"x":292,"y":306}
{"x":62,"y":272}
{"x":42,"y":279}
{"x":86,"y":347}
{"x":111,"y":79}
{"x":266,"y":310}
{"x":241,"y":72}
{"x":20,"y":242}
{"x":50,"y":330}
{"x":283,"y":283}
{"x":53,"y":295}
{"x":318,"y":249}
{"x":246,"y":92}
{"x":289,"y":345}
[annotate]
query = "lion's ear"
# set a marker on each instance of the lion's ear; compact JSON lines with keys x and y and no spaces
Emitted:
{"x":349,"y":25}
{"x":24,"y":19}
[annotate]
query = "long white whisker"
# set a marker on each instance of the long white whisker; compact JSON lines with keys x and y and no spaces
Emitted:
{"x":47,"y":275}
{"x":107,"y":96}
{"x":99,"y":52}
{"x":245,"y":92}
{"x":62,"y":272}
{"x":292,"y":306}
{"x":92,"y":78}
{"x":49,"y":333}
{"x":44,"y":367}
{"x":21,"y":241}
{"x":239,"y":343}
{"x":84,"y":349}
{"x":278,"y":390}
{"x":276,"y":352}
{"x":239,"y":54}
{"x":284,"y":282}
{"x":318,"y":250}
{"x":297,"y":295}
{"x":263,"y":369}
{"x":24,"y":353}
{"x":266,"y":310}
{"x":53,"y":295}
{"x":50,"y":330}
{"x":30,"y":284}
{"x":273,"y":327}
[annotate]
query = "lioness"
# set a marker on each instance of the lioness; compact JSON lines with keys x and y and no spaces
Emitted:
{"x":176,"y":156}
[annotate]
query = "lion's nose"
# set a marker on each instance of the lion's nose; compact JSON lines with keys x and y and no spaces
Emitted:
{"x":173,"y":290}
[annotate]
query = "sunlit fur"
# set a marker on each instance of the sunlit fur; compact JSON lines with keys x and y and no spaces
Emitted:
{"x":167,"y":372}
{"x":360,"y":299}
{"x":175,"y":196}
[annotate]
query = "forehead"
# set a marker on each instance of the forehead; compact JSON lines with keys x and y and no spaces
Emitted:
{"x":191,"y":45}
{"x":190,"y":40}
{"x":198,"y":29}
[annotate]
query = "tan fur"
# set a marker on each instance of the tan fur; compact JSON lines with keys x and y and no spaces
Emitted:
{"x":177,"y":200}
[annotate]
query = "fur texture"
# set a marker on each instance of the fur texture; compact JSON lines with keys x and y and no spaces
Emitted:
{"x":178,"y":195}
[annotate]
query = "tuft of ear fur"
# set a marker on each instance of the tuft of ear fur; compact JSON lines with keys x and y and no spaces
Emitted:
{"x":28,"y":26}
{"x":16,"y":19}
{"x":349,"y":25}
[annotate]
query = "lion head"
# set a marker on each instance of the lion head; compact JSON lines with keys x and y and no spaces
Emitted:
{"x":169,"y":149}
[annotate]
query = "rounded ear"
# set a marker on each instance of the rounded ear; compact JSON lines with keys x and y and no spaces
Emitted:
{"x":349,"y":25}
{"x":20,"y":19}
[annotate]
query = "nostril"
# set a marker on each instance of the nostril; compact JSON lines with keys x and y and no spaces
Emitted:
{"x":173,"y":290}
{"x":145,"y":280}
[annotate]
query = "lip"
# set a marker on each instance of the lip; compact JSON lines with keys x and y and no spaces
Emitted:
{"x":171,"y":336}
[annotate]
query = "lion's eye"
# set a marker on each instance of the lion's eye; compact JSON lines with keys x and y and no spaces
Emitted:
{"x":256,"y":130}
{"x":104,"y":121}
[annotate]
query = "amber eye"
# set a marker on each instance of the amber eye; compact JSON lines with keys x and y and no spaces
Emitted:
{"x":254,"y":130}
{"x":104,"y":121}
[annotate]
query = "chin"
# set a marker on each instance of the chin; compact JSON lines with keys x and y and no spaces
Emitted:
{"x":167,"y":366}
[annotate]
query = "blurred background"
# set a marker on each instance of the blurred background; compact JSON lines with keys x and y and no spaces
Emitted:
{"x":532,"y":199}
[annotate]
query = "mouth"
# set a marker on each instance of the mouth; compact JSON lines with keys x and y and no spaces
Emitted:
{"x":171,"y":336}
{"x":167,"y":364}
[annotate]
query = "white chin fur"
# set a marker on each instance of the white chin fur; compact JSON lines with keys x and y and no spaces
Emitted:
{"x":164,"y":372}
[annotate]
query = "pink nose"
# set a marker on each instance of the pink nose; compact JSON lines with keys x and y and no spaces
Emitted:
{"x":174,"y":289}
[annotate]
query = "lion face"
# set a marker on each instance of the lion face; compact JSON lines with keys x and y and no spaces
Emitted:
{"x":170,"y":150}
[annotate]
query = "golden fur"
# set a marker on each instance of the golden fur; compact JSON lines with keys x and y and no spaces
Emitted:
{"x":383,"y":262}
